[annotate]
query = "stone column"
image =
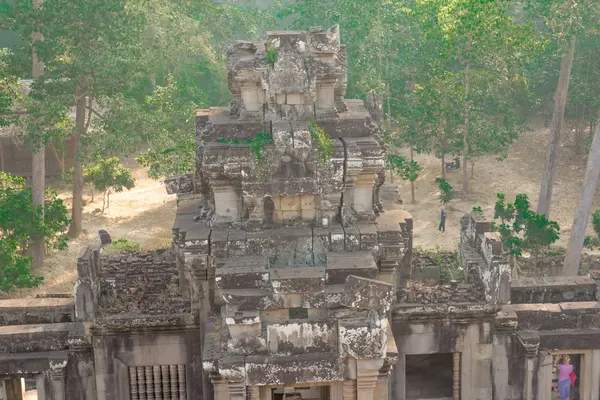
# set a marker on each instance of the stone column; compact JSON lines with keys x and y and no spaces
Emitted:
{"x":349,"y":389}
{"x":382,"y":386}
{"x":57,"y":379}
{"x":237,"y":390}
{"x":226,"y":201}
{"x":254,"y":392}
{"x":595,"y":375}
{"x":221,"y":391}
{"x":363,"y":196}
{"x":544,"y":376}
{"x":336,"y":391}
{"x":456,"y":376}
{"x":366,"y":378}
{"x":399,"y":378}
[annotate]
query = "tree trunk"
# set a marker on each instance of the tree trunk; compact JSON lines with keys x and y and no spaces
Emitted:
{"x":443,"y":160}
{"x":38,"y":161}
{"x":77,"y":211}
{"x":442,"y":143}
{"x":1,"y":156}
{"x":412,"y":183}
{"x":560,"y":101}
{"x":465,"y":185}
{"x":582,"y":215}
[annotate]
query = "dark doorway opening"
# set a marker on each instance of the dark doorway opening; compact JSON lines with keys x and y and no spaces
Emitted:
{"x":429,"y":376}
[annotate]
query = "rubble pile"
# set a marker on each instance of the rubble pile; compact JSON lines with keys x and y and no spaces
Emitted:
{"x":419,"y":292}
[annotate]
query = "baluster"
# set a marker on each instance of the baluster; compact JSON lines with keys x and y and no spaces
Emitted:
{"x":149,"y":383}
{"x":157,"y":383}
{"x":181,"y":376}
{"x":141,"y":383}
{"x":174,"y":382}
{"x":164,"y":371}
{"x":133,"y":385}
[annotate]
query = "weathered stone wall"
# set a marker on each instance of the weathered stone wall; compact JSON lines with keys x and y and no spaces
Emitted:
{"x":129,"y":281}
{"x":136,"y":343}
{"x":553,"y":289}
{"x":36,"y":311}
{"x":482,"y":257}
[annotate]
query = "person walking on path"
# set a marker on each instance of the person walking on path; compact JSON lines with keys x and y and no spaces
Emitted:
{"x":442,"y":227}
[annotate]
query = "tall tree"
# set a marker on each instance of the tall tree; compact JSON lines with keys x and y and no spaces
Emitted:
{"x":562,"y":22}
{"x":38,"y":159}
{"x":91,"y":50}
{"x":558,"y":116}
{"x":584,"y":209}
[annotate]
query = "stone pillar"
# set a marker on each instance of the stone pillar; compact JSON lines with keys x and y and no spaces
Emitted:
{"x":57,"y":379}
{"x":221,"y":391}
{"x":254,"y":392}
{"x":362,"y":200}
{"x":382,"y":385}
{"x":326,"y":97}
{"x":12,"y":389}
{"x":40,"y":386}
{"x":544,"y":376}
{"x":237,"y":390}
{"x":399,"y":378}
{"x":530,"y":342}
{"x":530,"y":360}
{"x":349,"y":389}
{"x":366,"y":378}
{"x":336,"y":391}
{"x":456,"y":376}
{"x":226,"y":202}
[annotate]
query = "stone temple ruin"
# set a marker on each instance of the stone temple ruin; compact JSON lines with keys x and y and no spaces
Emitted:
{"x":287,"y":278}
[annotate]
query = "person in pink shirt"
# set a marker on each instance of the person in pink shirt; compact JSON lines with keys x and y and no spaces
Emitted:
{"x":564,"y":370}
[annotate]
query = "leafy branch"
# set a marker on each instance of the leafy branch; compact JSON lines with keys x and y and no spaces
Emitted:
{"x":446,"y":190}
{"x":407,"y":169}
{"x":257,"y":143}
{"x":522,"y":229}
{"x":271,"y":54}
{"x":323,"y":141}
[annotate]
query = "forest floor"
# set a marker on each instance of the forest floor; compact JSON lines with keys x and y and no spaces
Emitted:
{"x":519,"y":173}
{"x":145,"y":214}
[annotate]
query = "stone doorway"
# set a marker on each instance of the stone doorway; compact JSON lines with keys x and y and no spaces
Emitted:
{"x":18,"y":389}
{"x":301,"y":393}
{"x":576,"y":361}
{"x":423,"y":370}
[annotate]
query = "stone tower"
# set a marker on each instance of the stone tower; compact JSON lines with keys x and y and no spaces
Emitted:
{"x":282,"y":242}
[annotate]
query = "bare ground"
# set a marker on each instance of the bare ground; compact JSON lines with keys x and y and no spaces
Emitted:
{"x":519,"y":173}
{"x":145,"y":214}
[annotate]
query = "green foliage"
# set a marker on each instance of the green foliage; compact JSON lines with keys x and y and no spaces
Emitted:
{"x":446,"y":190}
{"x":20,"y":221}
{"x":108,"y":175}
{"x":407,"y":169}
{"x":257,"y":143}
{"x":477,"y":209}
{"x":8,"y":88}
{"x":124,"y":245}
{"x":592,"y":242}
{"x":272,"y":54}
{"x":322,"y":140}
{"x":523,"y":229}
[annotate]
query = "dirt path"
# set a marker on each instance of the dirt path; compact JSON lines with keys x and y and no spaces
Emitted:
{"x":519,"y":173}
{"x":144,"y":214}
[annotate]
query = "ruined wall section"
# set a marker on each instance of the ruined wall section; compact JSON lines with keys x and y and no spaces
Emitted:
{"x":128,"y":282}
{"x":483,"y":259}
